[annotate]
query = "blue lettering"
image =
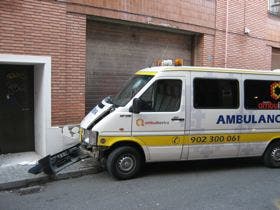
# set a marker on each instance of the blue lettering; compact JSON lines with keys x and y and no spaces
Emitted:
{"x":239,"y":119}
{"x":230,"y":119}
{"x":220,"y":120}
{"x":277,"y":118}
{"x":262,"y":119}
{"x":270,"y":118}
{"x":253,"y":119}
{"x":247,"y":118}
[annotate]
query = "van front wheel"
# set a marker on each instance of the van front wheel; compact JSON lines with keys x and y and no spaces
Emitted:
{"x":272,"y":155}
{"x":124,"y":162}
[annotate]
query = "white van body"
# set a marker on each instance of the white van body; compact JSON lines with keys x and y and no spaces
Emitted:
{"x":206,"y":124}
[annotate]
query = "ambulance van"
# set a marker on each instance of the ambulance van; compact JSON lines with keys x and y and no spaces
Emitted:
{"x":178,"y":113}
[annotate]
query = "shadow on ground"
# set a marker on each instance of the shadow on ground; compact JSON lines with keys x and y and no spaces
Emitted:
{"x":200,"y":166}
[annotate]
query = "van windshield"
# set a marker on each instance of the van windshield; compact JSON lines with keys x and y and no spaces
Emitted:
{"x":134,"y":85}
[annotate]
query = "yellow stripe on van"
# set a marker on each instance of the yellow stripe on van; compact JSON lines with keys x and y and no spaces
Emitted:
{"x":146,"y":73}
{"x":143,"y":140}
{"x":231,"y":138}
{"x":191,"y":140}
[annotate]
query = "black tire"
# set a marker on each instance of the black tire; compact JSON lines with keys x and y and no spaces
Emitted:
{"x":124,"y":162}
{"x":103,"y":161}
{"x":271,"y":156}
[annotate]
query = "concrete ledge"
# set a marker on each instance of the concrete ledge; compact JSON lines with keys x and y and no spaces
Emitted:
{"x":23,"y":183}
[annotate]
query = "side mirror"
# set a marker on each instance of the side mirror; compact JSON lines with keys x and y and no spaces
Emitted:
{"x":136,"y":107}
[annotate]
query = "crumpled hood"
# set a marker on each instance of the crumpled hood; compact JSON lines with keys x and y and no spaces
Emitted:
{"x":95,"y":114}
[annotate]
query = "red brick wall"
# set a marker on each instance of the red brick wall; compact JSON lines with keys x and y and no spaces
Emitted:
{"x":204,"y":50}
{"x":243,"y":50}
{"x":207,"y":17}
{"x":44,"y":28}
{"x":197,"y":16}
{"x":252,"y":51}
{"x":75,"y":67}
{"x":58,"y":29}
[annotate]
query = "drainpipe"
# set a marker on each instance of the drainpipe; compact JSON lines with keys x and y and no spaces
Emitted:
{"x":226,"y":41}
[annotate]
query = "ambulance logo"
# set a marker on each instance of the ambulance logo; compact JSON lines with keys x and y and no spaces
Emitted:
{"x":275,"y":90}
{"x":140,"y":122}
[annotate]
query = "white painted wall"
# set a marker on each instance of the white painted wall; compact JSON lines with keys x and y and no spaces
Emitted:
{"x":48,"y":139}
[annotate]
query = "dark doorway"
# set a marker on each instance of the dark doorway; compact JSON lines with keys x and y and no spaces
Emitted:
{"x":16,"y":108}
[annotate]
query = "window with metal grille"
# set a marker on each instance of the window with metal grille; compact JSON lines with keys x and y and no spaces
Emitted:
{"x":274,"y":7}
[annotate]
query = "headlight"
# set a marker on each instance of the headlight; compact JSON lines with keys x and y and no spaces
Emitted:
{"x":88,"y":136}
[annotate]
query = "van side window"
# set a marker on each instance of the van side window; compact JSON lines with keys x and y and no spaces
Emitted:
{"x":162,"y":96}
{"x":216,"y":93}
{"x":262,"y":94}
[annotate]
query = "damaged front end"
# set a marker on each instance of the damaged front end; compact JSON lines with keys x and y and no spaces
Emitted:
{"x":89,"y":144}
{"x":52,"y":164}
{"x":88,"y":136}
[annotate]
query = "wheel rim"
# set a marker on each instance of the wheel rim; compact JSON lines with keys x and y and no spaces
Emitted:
{"x":126,"y":163}
{"x":276,"y":154}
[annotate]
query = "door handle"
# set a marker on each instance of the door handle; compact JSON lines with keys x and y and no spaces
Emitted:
{"x":177,"y":119}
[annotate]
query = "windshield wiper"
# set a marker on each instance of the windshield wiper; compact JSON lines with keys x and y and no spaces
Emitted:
{"x":109,"y":100}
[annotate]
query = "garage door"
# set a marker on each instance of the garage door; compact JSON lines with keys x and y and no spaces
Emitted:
{"x":275,"y":59}
{"x":115,"y":52}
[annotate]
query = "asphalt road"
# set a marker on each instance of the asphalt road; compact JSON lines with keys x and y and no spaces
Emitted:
{"x":222,"y":184}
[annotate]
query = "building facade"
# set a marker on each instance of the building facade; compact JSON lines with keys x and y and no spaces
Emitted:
{"x":58,"y":58}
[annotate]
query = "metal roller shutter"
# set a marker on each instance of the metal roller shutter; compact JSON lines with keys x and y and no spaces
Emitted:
{"x":275,"y":59}
{"x":116,"y":51}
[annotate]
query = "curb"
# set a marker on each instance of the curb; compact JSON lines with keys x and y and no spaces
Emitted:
{"x":23,"y":183}
{"x":42,"y":179}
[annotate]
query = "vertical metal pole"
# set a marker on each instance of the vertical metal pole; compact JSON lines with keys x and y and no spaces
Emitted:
{"x":226,"y":41}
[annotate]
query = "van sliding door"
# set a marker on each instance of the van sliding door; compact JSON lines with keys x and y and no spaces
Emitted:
{"x":215,"y":113}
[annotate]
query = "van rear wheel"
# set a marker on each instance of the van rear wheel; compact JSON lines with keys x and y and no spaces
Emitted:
{"x":272,"y":155}
{"x":124,"y":162}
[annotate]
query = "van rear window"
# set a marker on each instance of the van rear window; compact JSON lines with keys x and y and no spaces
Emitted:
{"x":262,"y":94}
{"x":216,"y":93}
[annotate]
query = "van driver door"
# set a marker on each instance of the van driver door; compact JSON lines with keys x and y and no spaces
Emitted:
{"x":161,"y":121}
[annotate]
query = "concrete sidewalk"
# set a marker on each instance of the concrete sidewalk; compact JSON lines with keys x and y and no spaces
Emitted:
{"x":14,"y":170}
